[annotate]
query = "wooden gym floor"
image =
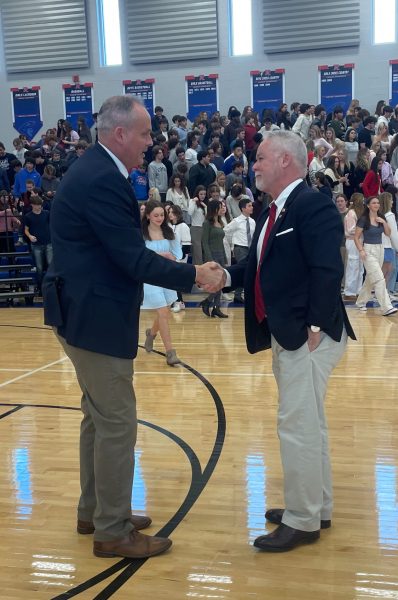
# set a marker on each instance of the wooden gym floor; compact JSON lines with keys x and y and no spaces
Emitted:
{"x":207,"y":467}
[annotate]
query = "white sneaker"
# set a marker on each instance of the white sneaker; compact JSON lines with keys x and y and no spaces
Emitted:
{"x":176,"y":307}
{"x":390,"y":311}
{"x":182,"y":305}
{"x":361,"y":307}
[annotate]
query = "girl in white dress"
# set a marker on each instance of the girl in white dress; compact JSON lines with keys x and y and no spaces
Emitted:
{"x":160,"y":238}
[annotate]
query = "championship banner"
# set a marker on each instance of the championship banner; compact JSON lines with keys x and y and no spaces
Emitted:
{"x":393,"y":82}
{"x":26,"y":110}
{"x":78,"y":101}
{"x":267,"y":89}
{"x":336,"y":86}
{"x":201,"y":94}
{"x":143,"y":89}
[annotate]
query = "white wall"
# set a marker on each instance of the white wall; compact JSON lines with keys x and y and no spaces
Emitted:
{"x":371,"y":73}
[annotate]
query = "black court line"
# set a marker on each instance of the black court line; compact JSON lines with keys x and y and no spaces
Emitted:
{"x":9,"y":412}
{"x":199,"y":481}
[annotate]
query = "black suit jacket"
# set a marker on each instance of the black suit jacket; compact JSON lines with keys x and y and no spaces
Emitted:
{"x":93,"y":289}
{"x":300,"y":275}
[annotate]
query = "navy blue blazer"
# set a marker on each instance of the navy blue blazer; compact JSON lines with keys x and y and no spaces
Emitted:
{"x":93,"y":289}
{"x":300,"y":275}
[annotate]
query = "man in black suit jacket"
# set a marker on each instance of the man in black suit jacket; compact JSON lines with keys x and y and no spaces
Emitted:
{"x":92,"y":296}
{"x":292,"y":279}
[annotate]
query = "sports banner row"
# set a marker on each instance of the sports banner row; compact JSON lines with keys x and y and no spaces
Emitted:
{"x":335,"y":86}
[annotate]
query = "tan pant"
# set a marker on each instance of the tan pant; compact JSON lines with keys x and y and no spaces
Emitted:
{"x":302,"y":378}
{"x":107,"y":438}
{"x":374,"y":278}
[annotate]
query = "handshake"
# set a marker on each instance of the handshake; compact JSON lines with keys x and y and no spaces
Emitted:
{"x":211,"y":277}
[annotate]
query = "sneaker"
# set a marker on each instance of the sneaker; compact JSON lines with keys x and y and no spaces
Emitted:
{"x":182,"y":305}
{"x":390,"y":311}
{"x":361,"y":307}
{"x":176,"y":307}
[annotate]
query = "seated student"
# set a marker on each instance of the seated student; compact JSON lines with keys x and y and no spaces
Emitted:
{"x":49,"y":181}
{"x":4,"y":181}
{"x":28,"y":172}
{"x":56,"y":161}
{"x":8,"y":223}
{"x":74,"y":155}
{"x":140,"y":181}
{"x":40,"y":161}
{"x":37,"y":229}
{"x":236,"y":156}
{"x":5,"y":162}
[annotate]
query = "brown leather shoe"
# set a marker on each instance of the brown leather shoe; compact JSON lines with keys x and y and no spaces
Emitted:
{"x":139,"y":522}
{"x":135,"y":545}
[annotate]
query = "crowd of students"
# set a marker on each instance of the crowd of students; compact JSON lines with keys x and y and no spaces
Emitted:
{"x":203,"y":171}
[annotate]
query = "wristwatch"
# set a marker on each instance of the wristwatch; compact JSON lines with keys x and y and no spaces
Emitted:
{"x":315,"y":328}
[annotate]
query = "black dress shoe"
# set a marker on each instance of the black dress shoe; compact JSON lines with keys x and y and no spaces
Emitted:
{"x":205,"y":306}
{"x":285,"y":538}
{"x":274,"y":515}
{"x":216,"y":312}
{"x":239,"y":299}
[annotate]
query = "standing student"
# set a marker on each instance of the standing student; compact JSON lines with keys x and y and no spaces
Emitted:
{"x":213,"y":250}
{"x":241,"y":231}
{"x":160,"y":238}
{"x":354,"y":267}
{"x":37,"y":230}
{"x":92,"y":296}
{"x":293,"y":304}
{"x":368,"y":239}
{"x":157,"y":172}
{"x":183,"y":235}
{"x":197,"y":209}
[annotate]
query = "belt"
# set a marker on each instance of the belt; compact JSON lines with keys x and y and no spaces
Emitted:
{"x":239,"y":246}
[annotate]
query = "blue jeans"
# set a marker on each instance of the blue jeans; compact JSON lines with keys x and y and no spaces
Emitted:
{"x":42,"y":255}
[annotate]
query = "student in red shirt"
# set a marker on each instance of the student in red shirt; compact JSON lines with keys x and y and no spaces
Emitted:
{"x":372,"y":183}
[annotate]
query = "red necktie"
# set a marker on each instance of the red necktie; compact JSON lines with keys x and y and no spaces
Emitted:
{"x":259,"y":305}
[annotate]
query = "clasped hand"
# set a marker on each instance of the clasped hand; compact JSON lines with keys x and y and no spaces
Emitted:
{"x":211,"y":277}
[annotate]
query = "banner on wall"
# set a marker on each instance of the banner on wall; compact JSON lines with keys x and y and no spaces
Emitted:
{"x":394,"y":82}
{"x":336,"y":86}
{"x":267,"y":89}
{"x":26,"y":110}
{"x":144,"y":89}
{"x":78,"y":101}
{"x":201,"y":94}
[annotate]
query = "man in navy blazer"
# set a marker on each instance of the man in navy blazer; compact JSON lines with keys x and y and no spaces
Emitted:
{"x":92,"y":296}
{"x":292,"y":278}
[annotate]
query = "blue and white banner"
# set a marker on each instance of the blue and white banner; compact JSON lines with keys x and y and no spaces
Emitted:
{"x":267,"y":90}
{"x":144,"y":89}
{"x":336,"y":86}
{"x":78,"y":101}
{"x":26,"y":110}
{"x":201,"y":94}
{"x":393,"y":82}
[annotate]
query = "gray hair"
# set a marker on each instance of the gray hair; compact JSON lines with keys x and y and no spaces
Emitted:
{"x":287,"y":141}
{"x":117,"y":111}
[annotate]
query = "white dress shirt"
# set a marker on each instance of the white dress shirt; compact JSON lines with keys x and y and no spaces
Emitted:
{"x":280,"y":203}
{"x":236,"y":230}
{"x":116,"y":160}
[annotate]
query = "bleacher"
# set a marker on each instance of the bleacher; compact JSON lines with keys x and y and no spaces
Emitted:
{"x":17,"y":277}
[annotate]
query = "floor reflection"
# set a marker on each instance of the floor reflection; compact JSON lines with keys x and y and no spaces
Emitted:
{"x":256,"y":493}
{"x":386,"y":503}
{"x":22,"y":482}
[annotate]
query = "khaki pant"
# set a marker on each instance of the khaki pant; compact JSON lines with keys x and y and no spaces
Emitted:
{"x":302,"y":378}
{"x":107,"y":438}
{"x":374,"y":278}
